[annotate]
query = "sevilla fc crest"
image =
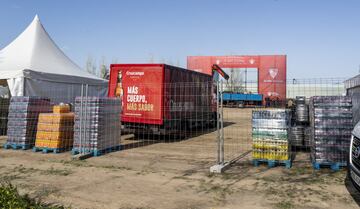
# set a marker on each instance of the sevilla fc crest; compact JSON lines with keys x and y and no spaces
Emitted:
{"x":273,"y":72}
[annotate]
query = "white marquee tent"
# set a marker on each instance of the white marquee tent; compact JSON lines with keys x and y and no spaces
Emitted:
{"x":33,"y":65}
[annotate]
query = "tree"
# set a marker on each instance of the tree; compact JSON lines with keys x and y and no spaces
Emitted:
{"x":104,"y":70}
{"x":100,"y":69}
{"x":90,"y":65}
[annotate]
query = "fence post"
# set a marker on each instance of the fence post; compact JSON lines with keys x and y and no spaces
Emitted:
{"x":80,"y":118}
{"x":218,"y":121}
{"x":86,"y":141}
{"x":221,"y":165}
{"x":221,"y":124}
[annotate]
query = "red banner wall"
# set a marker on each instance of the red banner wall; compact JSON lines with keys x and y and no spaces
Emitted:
{"x":271,"y":75}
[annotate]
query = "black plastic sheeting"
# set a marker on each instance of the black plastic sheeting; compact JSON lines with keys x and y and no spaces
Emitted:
{"x":97,"y":123}
{"x":23,"y":117}
{"x":331,"y":126}
{"x":354,"y":93}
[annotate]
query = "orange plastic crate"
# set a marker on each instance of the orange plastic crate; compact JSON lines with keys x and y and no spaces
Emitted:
{"x":43,"y":135}
{"x":61,"y":108}
{"x":46,"y":117}
{"x":63,"y":118}
{"x":54,"y":127}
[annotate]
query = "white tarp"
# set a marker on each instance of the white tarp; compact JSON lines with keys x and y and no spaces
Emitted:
{"x":33,"y":65}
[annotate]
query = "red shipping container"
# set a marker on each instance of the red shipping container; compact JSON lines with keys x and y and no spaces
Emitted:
{"x":161,"y":97}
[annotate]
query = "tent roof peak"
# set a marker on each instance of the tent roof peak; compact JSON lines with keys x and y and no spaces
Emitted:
{"x":34,"y":49}
{"x":36,"y":18}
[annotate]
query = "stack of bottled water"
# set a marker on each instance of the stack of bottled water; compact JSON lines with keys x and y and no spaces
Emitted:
{"x":270,"y":134}
{"x":97,"y":124}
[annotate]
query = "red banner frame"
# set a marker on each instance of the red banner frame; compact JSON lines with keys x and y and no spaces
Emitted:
{"x":271,"y":70}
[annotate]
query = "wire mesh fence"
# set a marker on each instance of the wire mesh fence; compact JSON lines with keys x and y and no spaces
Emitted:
{"x":200,"y":120}
{"x":177,"y":118}
{"x":50,"y":124}
{"x":276,"y":133}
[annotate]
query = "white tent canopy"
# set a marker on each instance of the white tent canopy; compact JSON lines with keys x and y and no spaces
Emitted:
{"x":33,"y":65}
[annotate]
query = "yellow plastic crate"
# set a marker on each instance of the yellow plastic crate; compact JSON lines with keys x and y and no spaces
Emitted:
{"x":47,"y":127}
{"x":54,"y":127}
{"x":46,"y":117}
{"x":57,"y":118}
{"x":64,"y":108}
{"x":62,"y":143}
{"x":41,"y":143}
{"x":56,"y":144}
{"x":43,"y":135}
{"x":57,"y":135}
{"x":54,"y":135}
{"x":63,"y":118}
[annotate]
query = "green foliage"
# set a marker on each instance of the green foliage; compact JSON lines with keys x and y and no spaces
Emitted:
{"x":284,"y":205}
{"x":10,"y":198}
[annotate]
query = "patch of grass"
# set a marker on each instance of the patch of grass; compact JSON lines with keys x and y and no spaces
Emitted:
{"x":83,"y":163}
{"x":180,"y":177}
{"x":284,"y":205}
{"x":77,"y":163}
{"x":9,"y":177}
{"x":210,"y":175}
{"x":269,"y":179}
{"x":45,"y":191}
{"x":10,"y":198}
{"x":189,"y":172}
{"x":272,"y":190}
{"x":52,"y":171}
{"x":57,"y":172}
{"x":145,"y":171}
{"x":220,"y":190}
{"x":135,"y":208}
{"x":23,"y":170}
{"x":302,"y":170}
{"x":112,"y":167}
{"x":229,"y":176}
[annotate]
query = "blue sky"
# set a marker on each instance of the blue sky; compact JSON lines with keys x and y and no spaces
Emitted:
{"x":321,"y":38}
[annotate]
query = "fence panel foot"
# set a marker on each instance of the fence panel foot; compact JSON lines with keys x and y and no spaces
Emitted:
{"x":219,"y":168}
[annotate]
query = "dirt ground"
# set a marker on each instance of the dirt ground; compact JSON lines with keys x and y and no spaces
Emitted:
{"x":175,"y":175}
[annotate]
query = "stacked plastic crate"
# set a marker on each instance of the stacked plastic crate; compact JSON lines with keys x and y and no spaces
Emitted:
{"x":22,"y":120}
{"x":55,"y":131}
{"x":270,"y":137}
{"x":97,"y":125}
{"x":331,"y":126}
{"x":4,"y":110}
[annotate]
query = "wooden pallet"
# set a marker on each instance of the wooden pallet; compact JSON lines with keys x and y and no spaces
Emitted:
{"x":48,"y":150}
{"x":16,"y":146}
{"x":95,"y":152}
{"x":272,"y":163}
{"x":335,"y":166}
